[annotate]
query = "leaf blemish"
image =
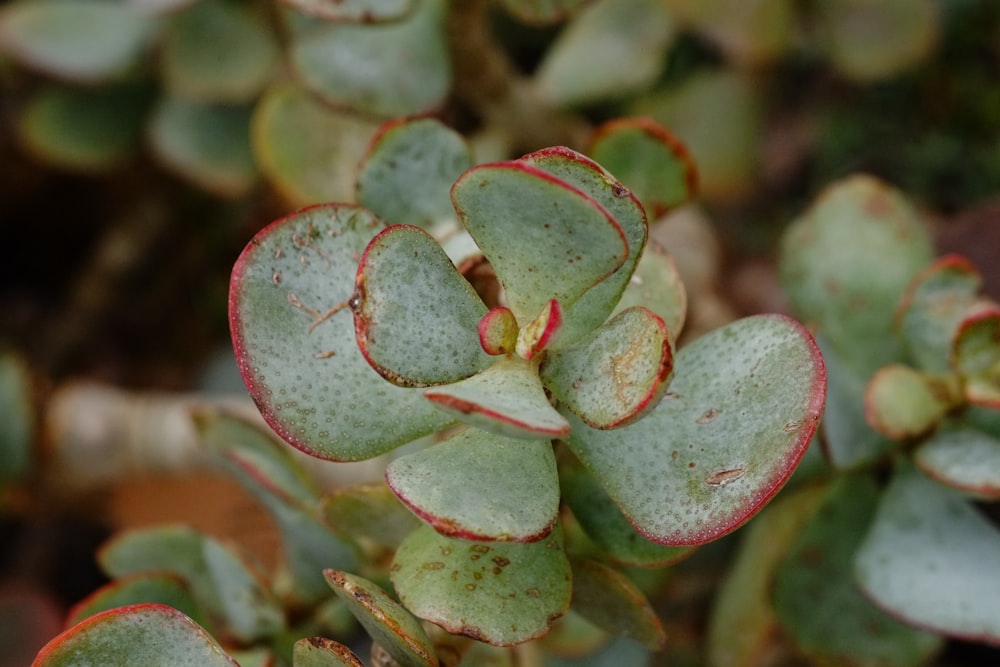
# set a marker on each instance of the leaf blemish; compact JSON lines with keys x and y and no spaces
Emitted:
{"x":724,"y":476}
{"x":709,"y":415}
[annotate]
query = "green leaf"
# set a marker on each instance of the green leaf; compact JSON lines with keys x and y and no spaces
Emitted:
{"x":741,"y":410}
{"x":481,"y":486}
{"x":903,"y":403}
{"x":617,"y":374}
{"x":407,"y":175}
{"x":815,"y":596}
{"x":77,"y":40}
{"x":389,"y":69}
{"x":932,"y":560}
{"x":86,"y":130}
{"x":503,"y":593}
{"x":498,"y":333}
{"x":208,"y":145}
{"x":622,"y":651}
{"x":230,"y":592}
{"x":608,"y":599}
{"x":747,"y":33}
{"x":388,"y":623}
{"x":593,"y":308}
{"x":308,"y":151}
{"x":649,"y":159}
{"x":148,"y":587}
{"x":322,"y":652}
{"x":17,"y":429}
{"x":657,"y":286}
{"x":144,"y":634}
{"x":976,"y":356}
{"x":610,"y":49}
{"x":415,"y":316}
{"x":542,"y":12}
{"x":507,"y":398}
{"x":360,"y":11}
{"x":545,"y":239}
{"x":296,"y":346}
{"x":369,"y":511}
{"x":964,"y":458}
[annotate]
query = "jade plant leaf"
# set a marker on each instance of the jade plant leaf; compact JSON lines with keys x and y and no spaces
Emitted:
{"x":619,"y":651}
{"x":964,"y":458}
{"x":218,"y":52}
{"x":388,"y":623}
{"x":295,"y":340}
{"x":610,"y":49}
{"x":145,"y":587}
{"x":607,"y":598}
{"x":503,"y":593}
{"x":589,"y":177}
{"x":615,"y":375}
{"x":749,"y":33}
{"x":208,"y":145}
{"x":649,"y":159}
{"x":308,"y":151}
{"x":741,"y":410}
{"x":407,"y":174}
{"x":369,"y":511}
{"x":323,"y":652}
{"x":224,"y":585}
{"x":931,"y":559}
{"x":415,"y":316}
{"x":573,"y":636}
{"x":391,"y":69}
{"x":817,"y":600}
{"x":143,"y":634}
{"x":507,"y":398}
{"x":360,"y":11}
{"x":901,"y":402}
{"x":976,"y":356}
{"x":545,"y":239}
{"x":76,"y":40}
{"x":479,"y":485}
{"x":542,"y":12}
{"x":657,"y":286}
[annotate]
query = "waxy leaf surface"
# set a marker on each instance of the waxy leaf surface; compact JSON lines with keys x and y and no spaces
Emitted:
{"x":656,"y":285}
{"x":479,"y":485}
{"x":142,"y":588}
{"x":964,"y":458}
{"x":369,"y":511}
{"x":545,"y":239}
{"x":146,"y":634}
{"x":931,"y":559}
{"x":296,"y":345}
{"x":976,"y":356}
{"x":415,"y":316}
{"x":503,"y":593}
{"x":741,"y":410}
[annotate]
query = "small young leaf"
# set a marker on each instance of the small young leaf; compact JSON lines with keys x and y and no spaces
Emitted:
{"x":508,"y":489}
{"x":322,"y":652}
{"x":976,"y":356}
{"x":498,"y":332}
{"x":964,"y":458}
{"x":608,"y":599}
{"x":538,"y":334}
{"x":503,"y":593}
{"x":902,"y":403}
{"x":415,"y":316}
{"x":143,"y":634}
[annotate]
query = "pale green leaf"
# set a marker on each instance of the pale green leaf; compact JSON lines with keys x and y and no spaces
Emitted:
{"x":608,"y":599}
{"x":369,"y":512}
{"x":656,"y":285}
{"x":362,"y":11}
{"x":322,"y":652}
{"x":964,"y":458}
{"x":144,"y":587}
{"x":976,"y":356}
{"x":542,"y":12}
{"x":901,"y":402}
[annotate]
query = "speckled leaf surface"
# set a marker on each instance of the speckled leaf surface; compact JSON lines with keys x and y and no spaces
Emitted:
{"x":388,"y":623}
{"x":390,"y":69}
{"x":964,"y":458}
{"x":741,"y":410}
{"x":656,"y":285}
{"x":976,"y":356}
{"x":323,"y":652}
{"x":479,"y":485}
{"x":145,"y":634}
{"x":931,"y":559}
{"x":649,"y":159}
{"x":407,"y":175}
{"x":507,"y":398}
{"x":545,"y":239}
{"x":615,"y":375}
{"x":503,"y":593}
{"x":581,"y":172}
{"x":362,"y":11}
{"x":223,"y":584}
{"x":296,"y":345}
{"x":901,"y":402}
{"x":142,"y":588}
{"x":415,"y":316}
{"x":76,"y":40}
{"x":815,"y":595}
{"x":542,"y":12}
{"x":607,"y":598}
{"x":369,"y":511}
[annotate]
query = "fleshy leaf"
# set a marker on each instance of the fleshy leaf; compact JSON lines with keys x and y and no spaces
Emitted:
{"x":976,"y":356}
{"x":741,"y":410}
{"x":222,"y":583}
{"x":295,"y":340}
{"x":498,"y":332}
{"x":903,"y":403}
{"x":581,"y":172}
{"x":616,"y":374}
{"x":323,"y":652}
{"x":657,"y":286}
{"x":542,"y":12}
{"x":649,"y":159}
{"x":369,"y":511}
{"x":482,"y":486}
{"x":392,"y":69}
{"x":361,"y":11}
{"x":747,"y":33}
{"x":608,"y":599}
{"x":143,"y":588}
{"x":964,"y":458}
{"x":388,"y":623}
{"x":507,"y":398}
{"x":409,"y":170}
{"x":503,"y":593}
{"x":538,"y":334}
{"x":932,"y":560}
{"x":76,"y":40}
{"x":415,"y":316}
{"x":219,"y":52}
{"x":815,"y":596}
{"x":143,"y":634}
